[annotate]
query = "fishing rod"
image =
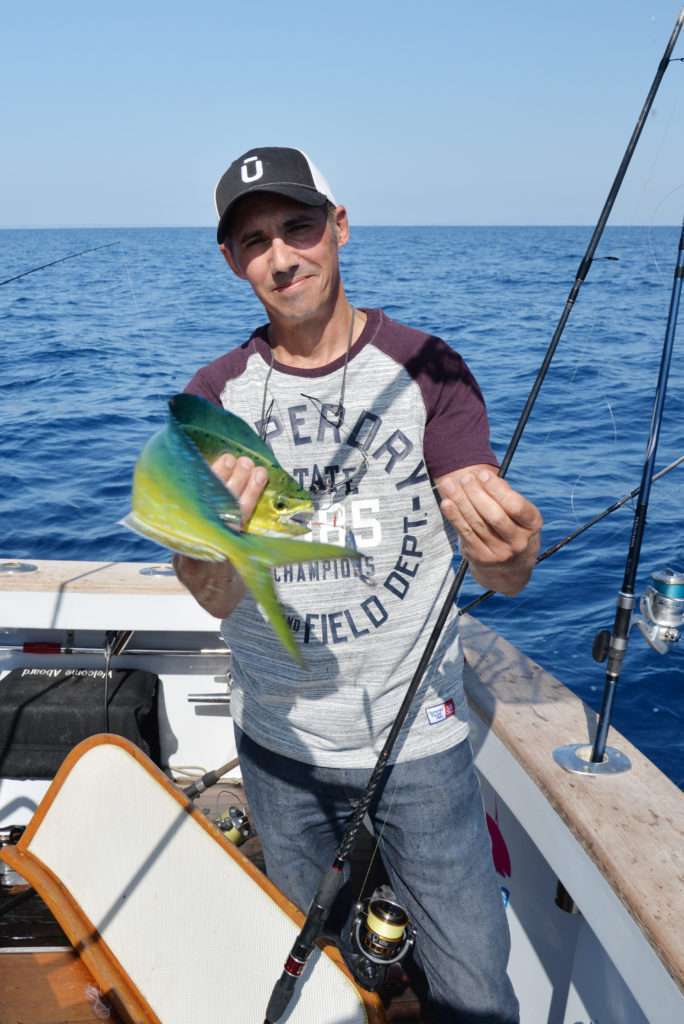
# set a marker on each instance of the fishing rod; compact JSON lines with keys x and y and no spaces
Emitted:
{"x":613,"y":647}
{"x":52,"y":263}
{"x":332,"y":881}
{"x":485,"y":595}
{"x":210,"y":778}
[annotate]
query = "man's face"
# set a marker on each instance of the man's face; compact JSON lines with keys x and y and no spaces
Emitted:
{"x":289,"y":254}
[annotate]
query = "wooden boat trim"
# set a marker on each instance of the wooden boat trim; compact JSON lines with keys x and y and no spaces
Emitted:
{"x":82,"y":933}
{"x":91,"y":578}
{"x":114,"y":983}
{"x":632,"y":827}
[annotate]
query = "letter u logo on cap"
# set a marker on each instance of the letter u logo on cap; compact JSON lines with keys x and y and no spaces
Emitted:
{"x":248,"y":173}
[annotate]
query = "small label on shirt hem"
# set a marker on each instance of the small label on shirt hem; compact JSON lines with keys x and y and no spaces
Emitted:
{"x":439,"y":712}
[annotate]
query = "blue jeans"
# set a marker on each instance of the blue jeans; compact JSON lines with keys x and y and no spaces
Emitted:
{"x":436,"y":849}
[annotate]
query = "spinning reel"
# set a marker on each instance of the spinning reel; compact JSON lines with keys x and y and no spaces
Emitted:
{"x":381,"y":935}
{"x":662,"y":608}
{"x":235,"y":825}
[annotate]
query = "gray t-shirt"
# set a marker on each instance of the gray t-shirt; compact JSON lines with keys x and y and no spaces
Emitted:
{"x":412,"y":412}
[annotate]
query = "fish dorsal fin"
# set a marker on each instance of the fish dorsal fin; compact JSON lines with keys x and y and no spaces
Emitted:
{"x":191,"y":411}
{"x":212,"y":495}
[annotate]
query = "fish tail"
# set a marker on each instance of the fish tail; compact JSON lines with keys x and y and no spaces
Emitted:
{"x":256,"y":574}
{"x":254,"y":556}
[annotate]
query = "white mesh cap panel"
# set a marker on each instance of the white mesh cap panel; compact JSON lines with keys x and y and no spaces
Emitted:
{"x":320,"y":182}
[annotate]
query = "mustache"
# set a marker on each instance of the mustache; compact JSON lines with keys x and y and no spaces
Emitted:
{"x":283,"y":279}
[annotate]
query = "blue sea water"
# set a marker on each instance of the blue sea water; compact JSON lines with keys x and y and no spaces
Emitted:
{"x":94,"y":346}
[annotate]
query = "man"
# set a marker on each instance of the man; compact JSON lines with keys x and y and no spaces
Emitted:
{"x":367,"y":414}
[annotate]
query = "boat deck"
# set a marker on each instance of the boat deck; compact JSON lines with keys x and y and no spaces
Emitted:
{"x":50,"y":985}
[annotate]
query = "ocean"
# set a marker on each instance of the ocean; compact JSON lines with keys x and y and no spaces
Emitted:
{"x":95,"y":345}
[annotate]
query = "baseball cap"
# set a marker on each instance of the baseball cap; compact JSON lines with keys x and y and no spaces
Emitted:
{"x":288,"y":172}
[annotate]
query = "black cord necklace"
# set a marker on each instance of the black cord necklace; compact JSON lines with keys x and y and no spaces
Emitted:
{"x":326,"y":411}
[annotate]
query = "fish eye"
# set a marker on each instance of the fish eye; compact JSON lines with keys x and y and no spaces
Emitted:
{"x":279,"y":505}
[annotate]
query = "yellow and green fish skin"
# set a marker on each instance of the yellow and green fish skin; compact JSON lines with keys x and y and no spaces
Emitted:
{"x":216,"y":431}
{"x":180,"y":503}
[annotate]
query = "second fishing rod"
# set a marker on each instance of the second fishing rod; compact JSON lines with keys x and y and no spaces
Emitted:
{"x":615,"y":645}
{"x":332,"y":881}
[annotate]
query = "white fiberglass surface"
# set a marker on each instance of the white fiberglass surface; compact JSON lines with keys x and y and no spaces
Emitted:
{"x":193,"y":931}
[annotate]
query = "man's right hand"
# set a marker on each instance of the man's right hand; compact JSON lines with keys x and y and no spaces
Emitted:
{"x":216,"y":586}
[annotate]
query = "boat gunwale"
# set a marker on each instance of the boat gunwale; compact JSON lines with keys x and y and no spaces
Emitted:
{"x":636,"y":848}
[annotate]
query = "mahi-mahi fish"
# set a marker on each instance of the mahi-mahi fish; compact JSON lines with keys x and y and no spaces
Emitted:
{"x":179,"y":502}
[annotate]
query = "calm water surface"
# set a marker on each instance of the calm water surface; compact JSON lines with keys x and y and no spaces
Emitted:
{"x":94,"y":346}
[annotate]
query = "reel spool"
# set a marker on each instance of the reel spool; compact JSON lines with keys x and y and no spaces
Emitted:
{"x":235,"y":825}
{"x":9,"y":878}
{"x":381,"y":934}
{"x":662,"y":608}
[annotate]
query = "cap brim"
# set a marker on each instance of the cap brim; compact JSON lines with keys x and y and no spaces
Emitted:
{"x":300,"y":193}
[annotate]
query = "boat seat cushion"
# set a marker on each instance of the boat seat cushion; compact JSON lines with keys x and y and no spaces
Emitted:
{"x":172,"y":920}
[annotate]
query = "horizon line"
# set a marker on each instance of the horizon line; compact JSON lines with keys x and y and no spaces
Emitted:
{"x":212,"y":227}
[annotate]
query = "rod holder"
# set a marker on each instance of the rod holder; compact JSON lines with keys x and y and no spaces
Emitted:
{"x":576,"y":758}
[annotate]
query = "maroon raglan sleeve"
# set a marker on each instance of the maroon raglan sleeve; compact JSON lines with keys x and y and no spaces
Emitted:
{"x":210,"y":380}
{"x":203,"y":386}
{"x":456,"y":429}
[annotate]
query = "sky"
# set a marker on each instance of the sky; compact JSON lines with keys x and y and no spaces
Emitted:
{"x":486,"y":112}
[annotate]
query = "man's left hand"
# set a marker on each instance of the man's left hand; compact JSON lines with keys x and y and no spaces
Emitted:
{"x":499,"y":529}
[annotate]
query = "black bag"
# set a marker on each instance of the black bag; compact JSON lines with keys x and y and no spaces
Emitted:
{"x":45,"y":712}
